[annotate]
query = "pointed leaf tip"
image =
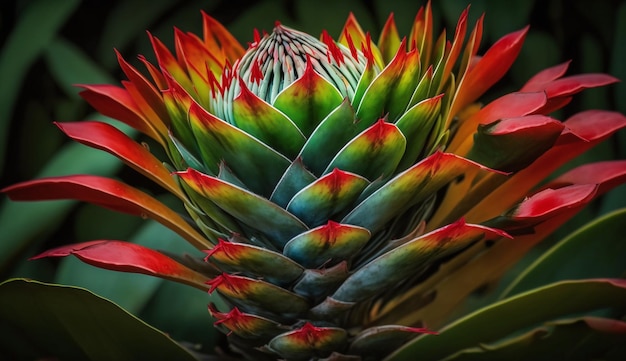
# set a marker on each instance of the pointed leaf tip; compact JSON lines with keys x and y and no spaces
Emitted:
{"x":107,"y":193}
{"x":252,"y":209}
{"x":128,"y":257}
{"x":252,"y":260}
{"x":552,"y":200}
{"x":309,"y":342}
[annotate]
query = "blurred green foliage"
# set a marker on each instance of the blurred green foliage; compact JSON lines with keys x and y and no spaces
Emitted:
{"x":49,"y":45}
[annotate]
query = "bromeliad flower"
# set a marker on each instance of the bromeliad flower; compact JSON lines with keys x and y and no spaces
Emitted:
{"x":336,"y":186}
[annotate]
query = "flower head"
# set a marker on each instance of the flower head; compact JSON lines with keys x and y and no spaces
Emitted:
{"x":329,"y":180}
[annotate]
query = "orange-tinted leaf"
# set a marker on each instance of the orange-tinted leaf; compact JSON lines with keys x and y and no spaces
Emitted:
{"x":107,"y":193}
{"x":117,"y":103}
{"x":488,"y":70}
{"x":108,"y":138}
{"x":219,"y":40}
{"x":583,"y":131}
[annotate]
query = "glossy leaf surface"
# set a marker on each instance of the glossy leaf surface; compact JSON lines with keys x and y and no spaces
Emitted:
{"x":73,"y":323}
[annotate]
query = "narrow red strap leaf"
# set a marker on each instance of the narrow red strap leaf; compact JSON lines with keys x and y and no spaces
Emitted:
{"x":607,"y":175}
{"x":129,"y":257}
{"x":108,"y":193}
{"x":489,"y":69}
{"x":551,"y":201}
{"x":538,"y":81}
{"x":544,"y":209}
{"x":108,"y":138}
{"x":117,"y":103}
{"x":149,"y":100}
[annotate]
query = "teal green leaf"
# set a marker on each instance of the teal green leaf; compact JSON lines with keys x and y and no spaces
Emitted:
{"x":331,"y":242}
{"x":253,"y":328}
{"x":516,"y":313}
{"x":583,"y":254}
{"x":337,"y":129}
{"x":316,"y":283}
{"x":185,"y":158}
{"x":416,"y":124}
{"x":326,"y":197}
{"x":375,"y":153}
{"x":369,"y":75}
{"x":257,"y":296}
{"x":408,"y":188}
{"x":423,"y":88}
{"x":308,"y":100}
{"x":228,"y":176}
{"x":74,"y":324}
{"x":381,"y":340}
{"x":402,"y":91}
{"x":251,"y":209}
{"x":295,"y":178}
{"x":264,"y":122}
{"x":407,"y":259}
{"x":380,"y":93}
{"x":309,"y":342}
{"x":246,"y":156}
{"x":209,"y":209}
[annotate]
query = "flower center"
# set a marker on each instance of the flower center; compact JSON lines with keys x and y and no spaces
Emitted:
{"x":278,"y":59}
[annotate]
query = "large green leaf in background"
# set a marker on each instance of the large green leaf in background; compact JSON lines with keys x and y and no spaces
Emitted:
{"x":36,"y":35}
{"x":578,"y":339}
{"x":596,"y":250}
{"x":517,"y":313}
{"x":50,"y":321}
{"x":37,"y":26}
{"x":177,"y":309}
{"x":68,"y":65}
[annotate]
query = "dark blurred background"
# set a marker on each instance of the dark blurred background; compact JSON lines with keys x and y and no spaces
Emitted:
{"x":48,"y":45}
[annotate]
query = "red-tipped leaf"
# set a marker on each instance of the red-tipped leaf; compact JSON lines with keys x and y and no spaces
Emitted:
{"x":129,"y":257}
{"x":107,"y":193}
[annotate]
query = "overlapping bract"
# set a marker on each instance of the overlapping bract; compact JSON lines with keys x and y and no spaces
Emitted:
{"x":328,"y":180}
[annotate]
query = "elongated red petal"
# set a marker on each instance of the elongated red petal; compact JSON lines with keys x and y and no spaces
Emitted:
{"x":514,"y":143}
{"x":576,"y":83}
{"x":586,"y":129}
{"x":170,"y":65}
{"x":107,"y":193}
{"x":219,"y":40}
{"x":607,"y":175}
{"x":129,"y":257}
{"x":147,"y":97}
{"x":106,"y":137}
{"x":117,"y":103}
{"x":548,"y":201}
{"x":508,"y":106}
{"x":538,"y":81}
{"x":489,"y":69}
